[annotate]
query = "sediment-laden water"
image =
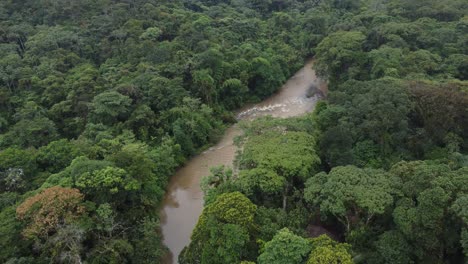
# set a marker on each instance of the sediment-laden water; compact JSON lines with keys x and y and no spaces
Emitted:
{"x":183,"y":202}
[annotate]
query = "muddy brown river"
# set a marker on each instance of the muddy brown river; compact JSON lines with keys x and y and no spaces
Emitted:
{"x":183,"y":202}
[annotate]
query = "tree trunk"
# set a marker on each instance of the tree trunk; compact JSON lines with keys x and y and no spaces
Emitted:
{"x":285,"y":197}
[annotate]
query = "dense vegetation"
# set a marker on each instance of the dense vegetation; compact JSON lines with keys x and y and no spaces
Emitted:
{"x":101,"y":100}
{"x":380,"y":167}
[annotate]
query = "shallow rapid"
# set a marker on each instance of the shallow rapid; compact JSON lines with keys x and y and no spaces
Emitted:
{"x":183,"y":202}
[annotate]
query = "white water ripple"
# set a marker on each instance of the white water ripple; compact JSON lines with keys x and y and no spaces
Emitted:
{"x":284,"y":107}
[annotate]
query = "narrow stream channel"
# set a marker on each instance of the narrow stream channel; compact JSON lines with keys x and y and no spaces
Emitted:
{"x":183,"y":202}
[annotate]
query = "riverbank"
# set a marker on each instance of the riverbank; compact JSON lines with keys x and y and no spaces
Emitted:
{"x":183,"y":202}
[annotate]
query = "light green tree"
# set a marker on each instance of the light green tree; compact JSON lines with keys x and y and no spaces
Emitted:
{"x":327,"y":251}
{"x":229,"y":219}
{"x":278,"y":157}
{"x":285,"y":248}
{"x":354,"y":196}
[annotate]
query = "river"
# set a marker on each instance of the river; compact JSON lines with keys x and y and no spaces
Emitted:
{"x":183,"y":202}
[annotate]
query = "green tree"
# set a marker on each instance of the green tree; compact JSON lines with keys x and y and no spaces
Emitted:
{"x":266,"y":77}
{"x":111,"y":251}
{"x":228,"y":243}
{"x":282,"y":156}
{"x":229,"y":219}
{"x":422,"y":62}
{"x":386,"y":61}
{"x":57,"y":155}
{"x":460,"y":206}
{"x":192,"y":125}
{"x":449,"y":114}
{"x":218,"y":182}
{"x":11,"y":70}
{"x":20,"y":165}
{"x":325,"y":250}
{"x":79,"y":166}
{"x":33,"y":129}
{"x":151,"y":34}
{"x":142,"y":122}
{"x":285,"y":247}
{"x":392,"y":247}
{"x":375,"y":110}
{"x":11,"y":229}
{"x":108,"y":107}
{"x":340,"y":55}
{"x":260,"y":181}
{"x":233,"y":93}
{"x":149,"y":242}
{"x":421,"y":215}
{"x":141,"y":175}
{"x":354,"y":196}
{"x":162,"y":93}
{"x":32,"y":133}
{"x":104,"y":183}
{"x":206,"y":87}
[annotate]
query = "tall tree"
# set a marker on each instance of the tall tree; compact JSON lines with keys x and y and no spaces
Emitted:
{"x":285,"y":247}
{"x":47,"y":210}
{"x":354,"y":196}
{"x":282,"y":156}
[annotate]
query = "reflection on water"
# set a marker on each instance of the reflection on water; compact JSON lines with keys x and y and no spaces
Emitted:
{"x":183,"y":202}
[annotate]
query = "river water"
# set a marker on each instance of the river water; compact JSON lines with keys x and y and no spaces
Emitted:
{"x":183,"y":202}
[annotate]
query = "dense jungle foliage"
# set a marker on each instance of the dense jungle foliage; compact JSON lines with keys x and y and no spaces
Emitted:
{"x":100,"y":101}
{"x":379,"y":172}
